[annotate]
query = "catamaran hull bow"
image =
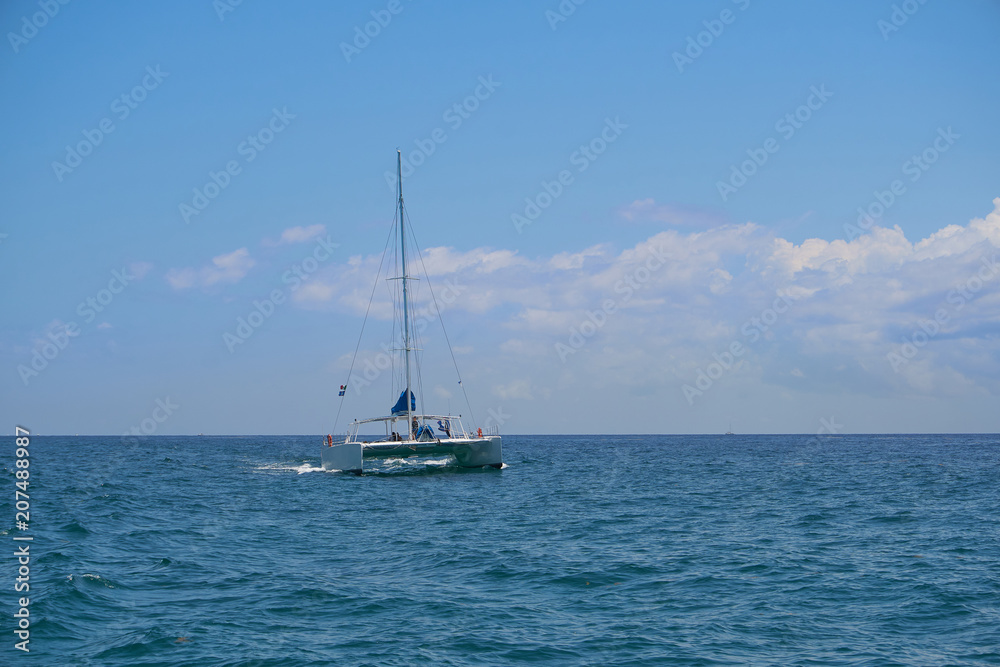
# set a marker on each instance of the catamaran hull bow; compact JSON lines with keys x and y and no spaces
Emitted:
{"x":347,"y":457}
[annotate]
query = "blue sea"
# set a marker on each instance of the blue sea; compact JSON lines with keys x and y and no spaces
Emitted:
{"x":583,"y":550}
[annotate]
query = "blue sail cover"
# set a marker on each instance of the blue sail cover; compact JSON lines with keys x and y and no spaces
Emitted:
{"x":400,"y":407}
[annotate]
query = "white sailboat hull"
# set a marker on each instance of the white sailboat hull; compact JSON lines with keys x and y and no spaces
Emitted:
{"x":347,"y":457}
{"x":468,"y":452}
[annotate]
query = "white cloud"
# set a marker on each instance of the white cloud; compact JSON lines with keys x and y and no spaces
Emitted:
{"x":301,"y":234}
{"x":647,"y":210}
{"x":53,"y":331}
{"x":140,"y":269}
{"x":568,"y":261}
{"x":720,"y":281}
{"x":182,"y":278}
{"x":518,"y":389}
{"x":228,"y":268}
{"x":315,"y":292}
{"x":880,"y":251}
{"x":445,"y":260}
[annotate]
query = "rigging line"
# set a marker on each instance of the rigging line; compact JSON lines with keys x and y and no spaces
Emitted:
{"x":437,"y":309}
{"x":408,"y":319}
{"x":420,"y":383}
{"x":417,"y":342}
{"x":371,"y":298}
{"x":396,"y":374}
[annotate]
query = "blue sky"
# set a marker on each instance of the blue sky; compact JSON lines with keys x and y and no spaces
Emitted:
{"x":709,"y":204}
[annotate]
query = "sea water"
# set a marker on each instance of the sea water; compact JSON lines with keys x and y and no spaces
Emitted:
{"x":583,"y":550}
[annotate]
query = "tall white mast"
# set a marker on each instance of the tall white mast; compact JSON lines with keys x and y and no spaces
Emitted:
{"x":406,"y":305}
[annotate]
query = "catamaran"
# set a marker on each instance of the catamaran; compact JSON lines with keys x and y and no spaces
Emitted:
{"x":406,"y":431}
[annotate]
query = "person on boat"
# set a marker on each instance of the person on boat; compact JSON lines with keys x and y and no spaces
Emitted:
{"x":329,"y":440}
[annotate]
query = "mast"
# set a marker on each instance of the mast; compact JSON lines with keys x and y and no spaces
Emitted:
{"x":406,"y":305}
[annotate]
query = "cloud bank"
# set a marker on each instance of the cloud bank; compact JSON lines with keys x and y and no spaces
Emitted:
{"x":878,"y":315}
